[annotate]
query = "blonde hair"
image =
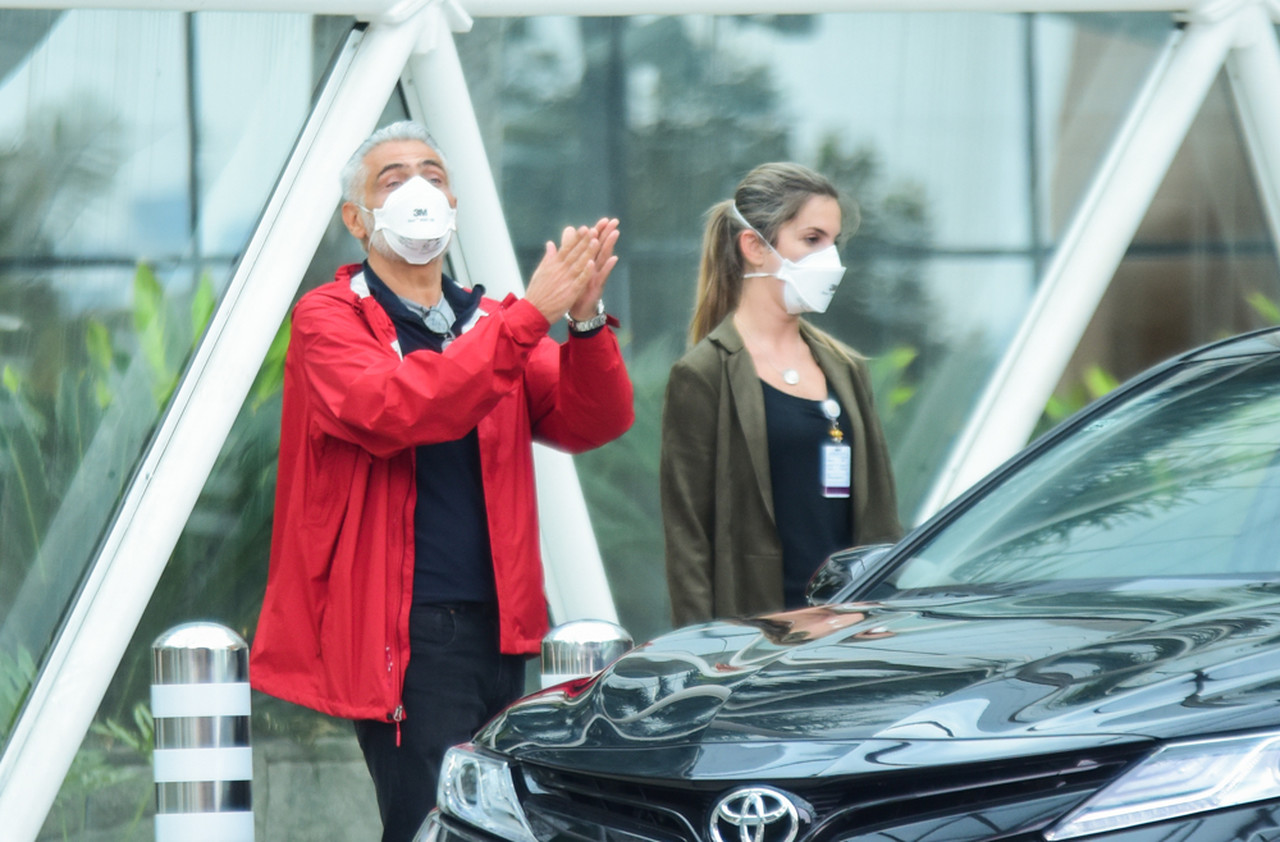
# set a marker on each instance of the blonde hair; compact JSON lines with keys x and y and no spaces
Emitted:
{"x":767,"y":198}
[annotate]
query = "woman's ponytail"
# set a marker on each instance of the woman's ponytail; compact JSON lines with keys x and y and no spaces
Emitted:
{"x":719,"y":273}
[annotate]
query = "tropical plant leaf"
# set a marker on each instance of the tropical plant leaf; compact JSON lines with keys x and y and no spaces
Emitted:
{"x":12,"y":380}
{"x":150,"y":322}
{"x":1099,"y":382}
{"x":1264,"y":307}
{"x":202,"y":305}
{"x":148,"y":298}
{"x":270,"y":379}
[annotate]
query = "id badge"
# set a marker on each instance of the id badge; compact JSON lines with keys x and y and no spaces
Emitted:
{"x":837,"y":468}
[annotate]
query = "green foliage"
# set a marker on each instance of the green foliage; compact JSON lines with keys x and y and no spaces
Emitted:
{"x":150,"y":325}
{"x":203,"y":304}
{"x":1093,"y":384}
{"x":17,"y":671}
{"x":270,"y":380}
{"x":97,"y":341}
{"x":218,"y":568}
{"x":112,"y":769}
{"x":891,"y":382}
{"x":48,"y":420}
{"x":1097,"y":381}
{"x":1264,"y":307}
{"x":23,"y":514}
{"x":140,"y":738}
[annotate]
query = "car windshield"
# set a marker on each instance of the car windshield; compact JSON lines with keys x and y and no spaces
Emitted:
{"x":1179,"y":483}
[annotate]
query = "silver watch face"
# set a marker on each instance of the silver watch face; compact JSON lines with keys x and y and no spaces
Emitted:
{"x":592,"y":323}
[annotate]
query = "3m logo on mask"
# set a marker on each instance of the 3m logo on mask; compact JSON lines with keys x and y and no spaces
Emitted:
{"x":416,"y":220}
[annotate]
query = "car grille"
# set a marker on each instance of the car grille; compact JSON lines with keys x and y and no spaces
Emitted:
{"x":1010,"y":801}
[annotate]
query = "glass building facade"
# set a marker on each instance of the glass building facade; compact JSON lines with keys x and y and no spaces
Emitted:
{"x":141,"y":153}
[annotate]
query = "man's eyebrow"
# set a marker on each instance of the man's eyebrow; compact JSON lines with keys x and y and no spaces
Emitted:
{"x":392,"y":166}
{"x":397,"y":165}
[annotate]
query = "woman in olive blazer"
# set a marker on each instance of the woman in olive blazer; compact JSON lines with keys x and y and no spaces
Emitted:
{"x":724,"y":551}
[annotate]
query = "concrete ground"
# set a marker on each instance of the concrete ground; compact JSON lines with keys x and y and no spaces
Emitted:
{"x":317,"y":792}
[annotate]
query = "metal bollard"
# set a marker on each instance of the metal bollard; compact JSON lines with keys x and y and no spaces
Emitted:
{"x":581,"y":647}
{"x":203,"y":762}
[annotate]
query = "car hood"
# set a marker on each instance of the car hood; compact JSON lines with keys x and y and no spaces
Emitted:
{"x":848,"y":688}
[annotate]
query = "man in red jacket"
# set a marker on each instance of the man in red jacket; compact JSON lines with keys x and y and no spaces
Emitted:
{"x":405,"y":583}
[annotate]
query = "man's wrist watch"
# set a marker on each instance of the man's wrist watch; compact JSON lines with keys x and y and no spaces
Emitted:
{"x":587,"y":325}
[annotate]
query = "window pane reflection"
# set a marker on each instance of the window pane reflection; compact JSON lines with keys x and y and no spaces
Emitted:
{"x":967,"y":139}
{"x":1177,"y":483}
{"x":1204,"y":252}
{"x":119,"y":229}
{"x":218,"y":572}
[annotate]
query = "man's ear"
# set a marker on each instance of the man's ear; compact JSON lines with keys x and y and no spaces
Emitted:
{"x":354,"y":221}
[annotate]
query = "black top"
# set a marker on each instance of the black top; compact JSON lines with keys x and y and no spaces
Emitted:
{"x":810,"y":526}
{"x":452,"y":558}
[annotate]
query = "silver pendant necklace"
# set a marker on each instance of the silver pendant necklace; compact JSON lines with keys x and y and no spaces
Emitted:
{"x":790,"y":376}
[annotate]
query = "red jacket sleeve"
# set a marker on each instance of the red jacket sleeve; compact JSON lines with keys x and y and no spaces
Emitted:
{"x":579,"y":394}
{"x":362,"y":391}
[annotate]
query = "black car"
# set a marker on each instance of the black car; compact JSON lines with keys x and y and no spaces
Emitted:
{"x":1084,"y":646}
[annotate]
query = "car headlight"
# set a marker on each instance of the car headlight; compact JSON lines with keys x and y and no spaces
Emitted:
{"x":1178,"y":780}
{"x":477,"y":788}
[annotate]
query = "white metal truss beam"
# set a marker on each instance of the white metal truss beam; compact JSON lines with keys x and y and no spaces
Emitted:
{"x":392,"y":11}
{"x":1106,"y":222}
{"x":1254,"y":70}
{"x":437,"y":93}
{"x":68,"y":692}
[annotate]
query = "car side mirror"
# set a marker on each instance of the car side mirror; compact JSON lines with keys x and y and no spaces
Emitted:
{"x":842,"y":570}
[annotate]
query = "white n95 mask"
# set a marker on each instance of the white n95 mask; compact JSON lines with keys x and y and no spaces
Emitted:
{"x":808,"y":283}
{"x":416,"y":220}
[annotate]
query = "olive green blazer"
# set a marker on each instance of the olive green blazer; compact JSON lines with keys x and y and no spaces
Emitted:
{"x":723,"y":555}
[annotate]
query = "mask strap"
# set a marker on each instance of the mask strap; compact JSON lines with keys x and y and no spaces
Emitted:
{"x":737,"y":214}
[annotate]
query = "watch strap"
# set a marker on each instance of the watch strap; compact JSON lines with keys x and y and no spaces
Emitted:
{"x":587,"y":325}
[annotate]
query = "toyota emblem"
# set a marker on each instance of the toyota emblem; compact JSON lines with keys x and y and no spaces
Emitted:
{"x":755,"y":814}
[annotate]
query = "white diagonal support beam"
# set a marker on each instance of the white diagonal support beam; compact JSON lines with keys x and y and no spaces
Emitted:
{"x":1084,"y":264}
{"x":575,"y":580}
{"x":1254,"y":71}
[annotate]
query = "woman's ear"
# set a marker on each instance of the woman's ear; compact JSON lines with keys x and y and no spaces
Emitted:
{"x":754,"y":251}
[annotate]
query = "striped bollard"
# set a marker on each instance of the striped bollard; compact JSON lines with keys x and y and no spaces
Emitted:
{"x":203,"y":762}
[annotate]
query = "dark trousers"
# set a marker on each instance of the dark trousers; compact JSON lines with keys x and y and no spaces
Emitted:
{"x":455,"y":682}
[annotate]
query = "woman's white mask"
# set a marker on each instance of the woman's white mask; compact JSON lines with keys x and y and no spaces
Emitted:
{"x":807,"y":284}
{"x":416,"y":220}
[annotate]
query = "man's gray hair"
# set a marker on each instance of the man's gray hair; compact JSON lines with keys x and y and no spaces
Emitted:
{"x":354,"y":173}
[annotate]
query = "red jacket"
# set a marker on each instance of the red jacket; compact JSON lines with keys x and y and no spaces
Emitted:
{"x":334,"y":629}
